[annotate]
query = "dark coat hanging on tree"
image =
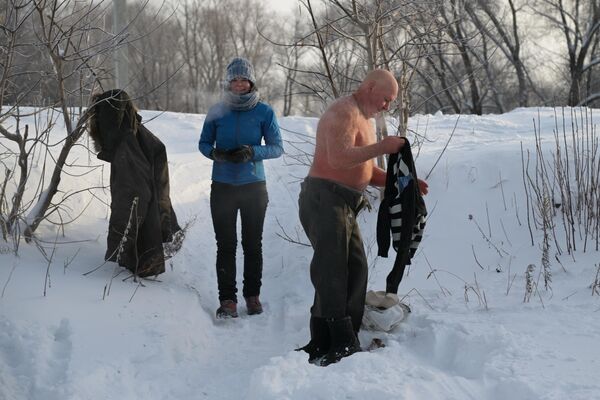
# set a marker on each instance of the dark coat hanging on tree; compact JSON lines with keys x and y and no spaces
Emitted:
{"x":142,"y":217}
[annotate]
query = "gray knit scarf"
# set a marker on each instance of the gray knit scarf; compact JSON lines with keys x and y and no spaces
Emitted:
{"x":241,"y":102}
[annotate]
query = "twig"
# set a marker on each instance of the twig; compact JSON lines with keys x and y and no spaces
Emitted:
{"x":432,"y":273}
{"x":69,"y":261}
{"x":8,"y":279}
{"x":596,"y":284}
{"x":287,"y":237}
{"x":444,"y":149}
{"x":476,"y":260}
{"x":560,"y":263}
{"x":480,"y":293}
{"x":136,"y":289}
{"x":504,"y":230}
{"x":472,"y":218}
{"x":523,"y":169}
{"x":509,"y":282}
{"x":47,"y":278}
{"x":567,"y":297}
{"x":502,"y":191}
{"x":420,"y":295}
{"x":487,"y":214}
{"x":95,"y":269}
{"x":516,"y":208}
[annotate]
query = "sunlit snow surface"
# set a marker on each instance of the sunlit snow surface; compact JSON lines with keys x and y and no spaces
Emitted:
{"x":160,"y":341}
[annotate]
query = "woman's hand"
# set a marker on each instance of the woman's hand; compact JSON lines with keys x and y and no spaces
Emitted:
{"x":241,"y":155}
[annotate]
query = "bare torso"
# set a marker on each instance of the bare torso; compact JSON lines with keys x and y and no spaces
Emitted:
{"x":341,"y":128}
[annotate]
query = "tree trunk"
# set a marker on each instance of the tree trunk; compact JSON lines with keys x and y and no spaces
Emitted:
{"x":41,"y":208}
{"x":575,"y":89}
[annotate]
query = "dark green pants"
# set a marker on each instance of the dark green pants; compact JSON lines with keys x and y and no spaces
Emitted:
{"x":338,"y":270}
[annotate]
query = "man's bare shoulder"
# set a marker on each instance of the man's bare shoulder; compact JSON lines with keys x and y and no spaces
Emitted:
{"x":344,"y":109}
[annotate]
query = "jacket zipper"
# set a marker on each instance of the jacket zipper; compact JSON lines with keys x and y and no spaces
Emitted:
{"x":237,"y":142}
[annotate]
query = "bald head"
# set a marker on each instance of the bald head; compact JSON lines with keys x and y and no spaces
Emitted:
{"x":381,"y":78}
{"x":376,"y":92}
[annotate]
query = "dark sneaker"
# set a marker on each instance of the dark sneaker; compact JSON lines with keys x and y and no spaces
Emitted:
{"x":228,"y":309}
{"x":253,"y":305}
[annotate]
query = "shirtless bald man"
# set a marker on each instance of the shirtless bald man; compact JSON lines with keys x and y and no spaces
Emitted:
{"x":331,"y":196}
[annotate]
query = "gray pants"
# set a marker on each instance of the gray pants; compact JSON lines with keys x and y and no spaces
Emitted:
{"x":338,"y":270}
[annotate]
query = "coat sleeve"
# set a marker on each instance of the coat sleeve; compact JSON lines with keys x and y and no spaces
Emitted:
{"x":208,"y":135}
{"x":383,"y":216}
{"x":273,"y":146}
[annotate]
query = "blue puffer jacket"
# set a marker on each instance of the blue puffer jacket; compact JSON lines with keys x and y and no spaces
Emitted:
{"x":227,"y":129}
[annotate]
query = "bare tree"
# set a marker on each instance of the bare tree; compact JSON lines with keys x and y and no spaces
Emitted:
{"x":489,"y":18}
{"x":579,"y":23}
{"x":154,"y":58}
{"x":457,"y":31}
{"x":288,"y":56}
{"x":212,"y":33}
{"x":62,"y":30}
{"x":349,"y":38}
{"x":70,"y":51}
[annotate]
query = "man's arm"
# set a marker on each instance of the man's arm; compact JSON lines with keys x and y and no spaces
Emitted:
{"x":379,"y":177}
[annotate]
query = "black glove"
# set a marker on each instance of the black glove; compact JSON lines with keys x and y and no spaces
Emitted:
{"x":241,"y":155}
{"x":219,"y":155}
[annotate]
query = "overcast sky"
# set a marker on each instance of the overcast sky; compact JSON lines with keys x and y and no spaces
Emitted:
{"x":278,"y":5}
{"x":283,"y":5}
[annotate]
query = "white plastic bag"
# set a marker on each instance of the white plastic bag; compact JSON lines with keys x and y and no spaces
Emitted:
{"x":383,"y":311}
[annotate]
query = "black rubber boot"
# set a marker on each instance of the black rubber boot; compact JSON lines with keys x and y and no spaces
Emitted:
{"x":320,"y":340}
{"x":343,"y":341}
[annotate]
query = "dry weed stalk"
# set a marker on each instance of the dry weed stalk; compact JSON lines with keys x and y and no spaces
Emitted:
{"x":132,"y":219}
{"x":171,"y":248}
{"x":570,"y":181}
{"x":529,"y":284}
{"x":547,"y":225}
{"x":478,"y":292}
{"x":509,"y":281}
{"x":432,"y":272}
{"x":500,"y":252}
{"x":524,"y":169}
{"x":596,"y":284}
{"x":475,"y":257}
{"x":466,"y":285}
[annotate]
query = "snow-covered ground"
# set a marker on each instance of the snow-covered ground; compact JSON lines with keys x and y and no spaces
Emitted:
{"x":470,"y":335}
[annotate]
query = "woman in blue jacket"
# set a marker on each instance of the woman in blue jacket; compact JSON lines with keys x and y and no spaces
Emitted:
{"x":232,"y":136}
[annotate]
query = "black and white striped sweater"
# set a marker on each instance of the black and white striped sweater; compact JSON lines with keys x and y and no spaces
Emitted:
{"x":402,"y":213}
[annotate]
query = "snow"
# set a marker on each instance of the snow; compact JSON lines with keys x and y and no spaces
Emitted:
{"x":470,"y":334}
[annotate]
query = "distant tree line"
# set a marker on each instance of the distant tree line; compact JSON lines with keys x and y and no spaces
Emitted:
{"x":458,"y":56}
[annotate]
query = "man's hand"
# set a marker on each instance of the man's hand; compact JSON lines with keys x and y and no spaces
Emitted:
{"x":423,"y":186}
{"x":391,"y":144}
